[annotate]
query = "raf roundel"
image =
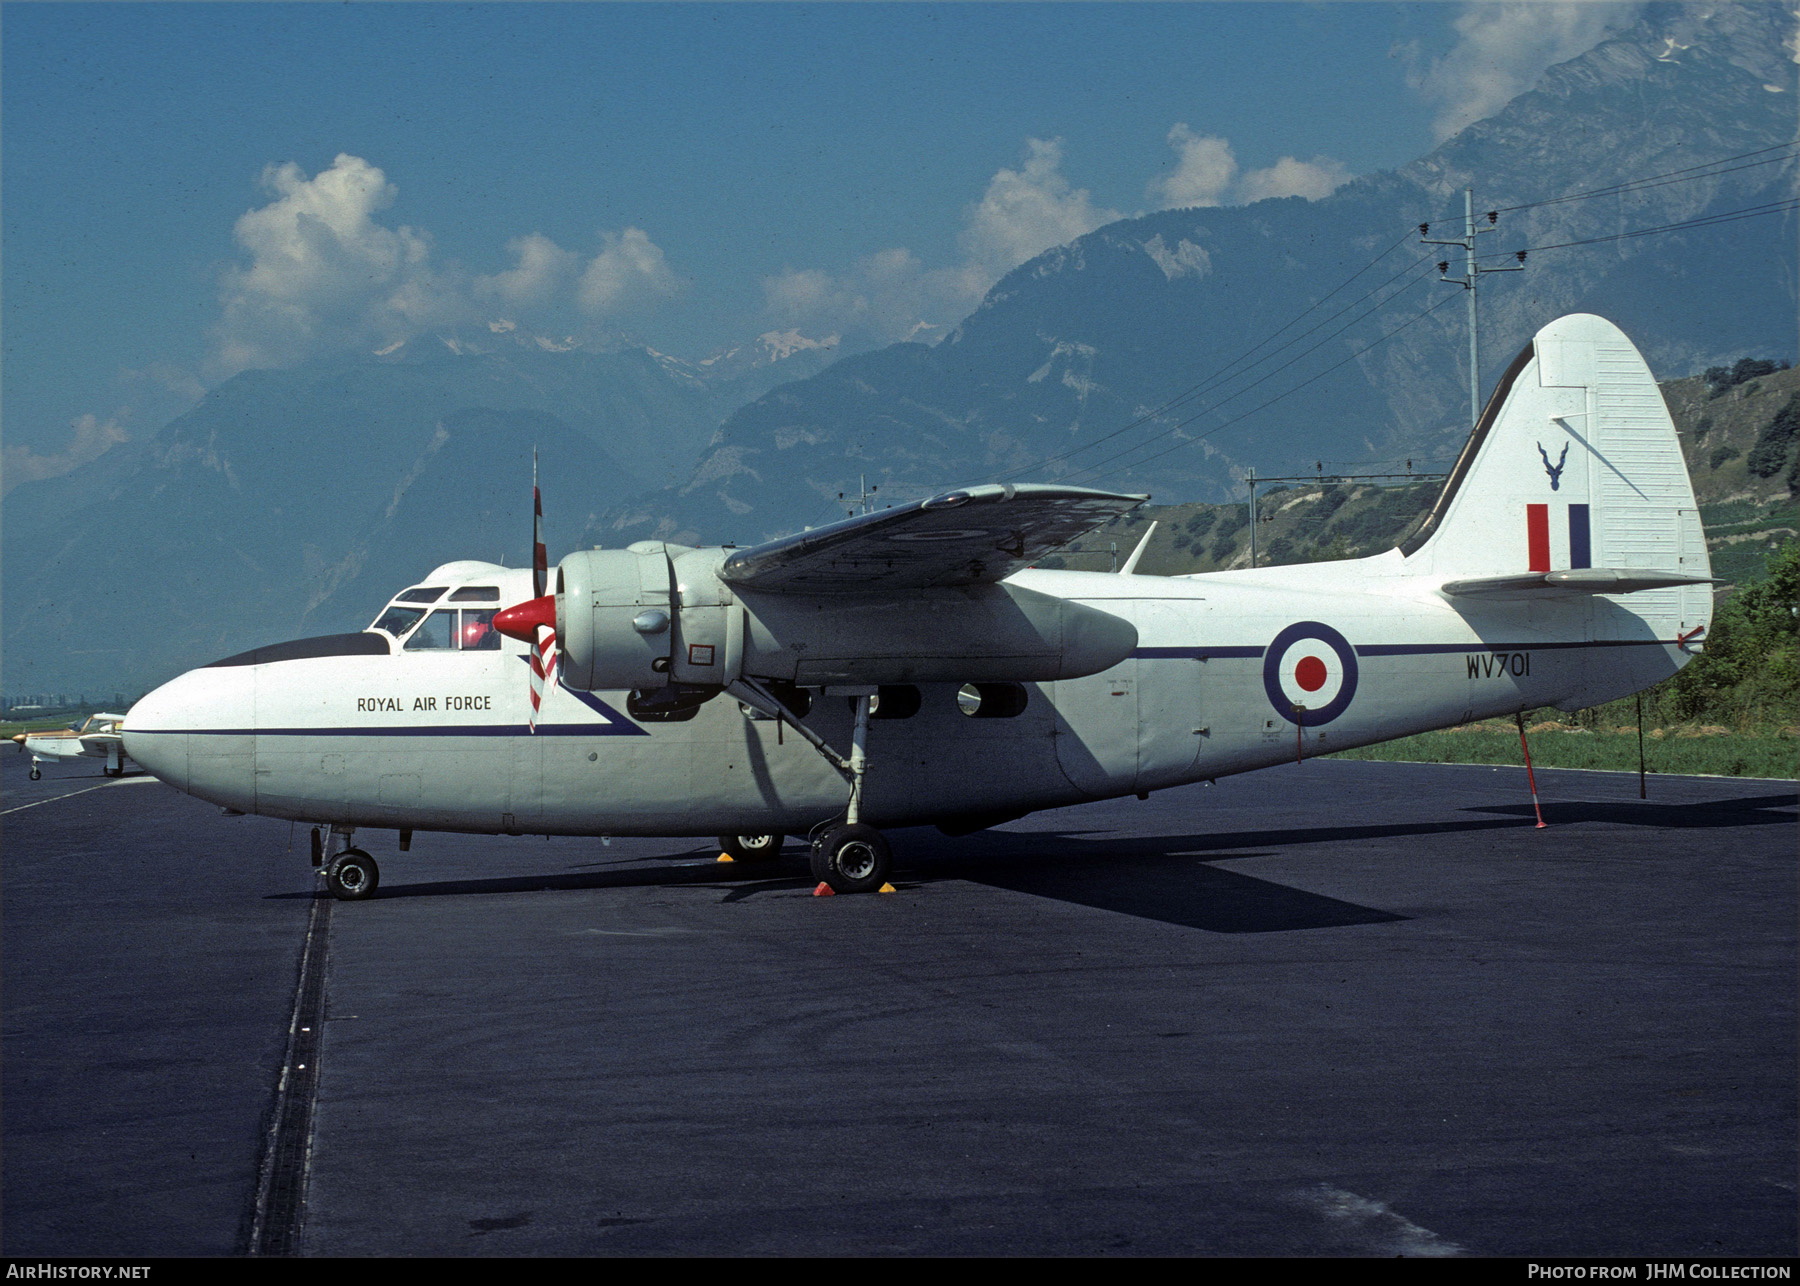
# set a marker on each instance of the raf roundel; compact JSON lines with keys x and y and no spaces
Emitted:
{"x":1309,"y":673}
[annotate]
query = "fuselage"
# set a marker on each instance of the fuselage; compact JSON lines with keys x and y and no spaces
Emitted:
{"x":1233,"y":671}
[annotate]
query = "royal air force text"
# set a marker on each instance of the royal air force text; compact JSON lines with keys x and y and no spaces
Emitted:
{"x":428,"y":705}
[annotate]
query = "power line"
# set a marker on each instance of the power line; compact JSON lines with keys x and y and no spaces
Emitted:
{"x":1236,"y":367}
{"x":1417,"y":317}
{"x":1657,"y":180}
{"x":1728,"y":216}
{"x":1180,"y":424}
{"x":1225,"y":373}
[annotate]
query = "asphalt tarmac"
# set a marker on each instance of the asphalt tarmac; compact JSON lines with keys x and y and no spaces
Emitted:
{"x":1338,"y":1008}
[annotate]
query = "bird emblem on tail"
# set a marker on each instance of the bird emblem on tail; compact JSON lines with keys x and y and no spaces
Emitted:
{"x":1554,"y":470}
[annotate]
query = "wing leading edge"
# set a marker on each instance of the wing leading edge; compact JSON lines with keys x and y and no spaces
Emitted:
{"x":966,"y":537}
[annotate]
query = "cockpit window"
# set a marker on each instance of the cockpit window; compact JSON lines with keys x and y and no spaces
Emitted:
{"x":398,"y":620}
{"x":478,"y":632}
{"x":437,"y":633}
{"x":476,"y":594}
{"x":421,"y":594}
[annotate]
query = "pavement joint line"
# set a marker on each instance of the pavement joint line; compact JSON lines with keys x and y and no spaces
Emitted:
{"x":127,"y":781}
{"x":277,"y":1218}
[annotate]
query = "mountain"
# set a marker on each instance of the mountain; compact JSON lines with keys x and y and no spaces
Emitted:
{"x":294,"y":502}
{"x":1090,"y":337}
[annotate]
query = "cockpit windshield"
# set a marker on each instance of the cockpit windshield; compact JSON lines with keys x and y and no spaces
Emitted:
{"x":423,"y":594}
{"x":398,"y":620}
{"x":448,"y":630}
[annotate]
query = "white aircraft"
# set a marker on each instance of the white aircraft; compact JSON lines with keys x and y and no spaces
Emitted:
{"x":97,"y":738}
{"x":909,"y":666}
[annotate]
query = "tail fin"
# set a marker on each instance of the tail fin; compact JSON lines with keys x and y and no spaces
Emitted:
{"x":1573,"y":481}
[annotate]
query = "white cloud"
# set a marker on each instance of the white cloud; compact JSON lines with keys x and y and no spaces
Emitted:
{"x":1026,"y":211}
{"x":1204,"y":170}
{"x":631,"y":270}
{"x":1206,"y":174}
{"x":1313,"y":179}
{"x":323,"y":271}
{"x":881,"y":298}
{"x":1502,"y":49}
{"x":891,"y":295}
{"x":326,"y":273}
{"x":90,"y":437}
{"x":543,"y":271}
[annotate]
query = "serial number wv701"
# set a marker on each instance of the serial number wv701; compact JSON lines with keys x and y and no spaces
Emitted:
{"x":1497,"y":665}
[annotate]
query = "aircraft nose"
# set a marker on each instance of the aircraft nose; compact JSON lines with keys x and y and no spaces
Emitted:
{"x":197,"y":732}
{"x":156,"y":734}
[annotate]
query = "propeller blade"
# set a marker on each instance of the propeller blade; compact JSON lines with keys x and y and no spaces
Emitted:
{"x":540,"y":560}
{"x":534,"y":623}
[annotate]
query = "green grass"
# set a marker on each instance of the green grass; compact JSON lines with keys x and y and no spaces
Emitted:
{"x":10,"y":728}
{"x":1712,"y":754}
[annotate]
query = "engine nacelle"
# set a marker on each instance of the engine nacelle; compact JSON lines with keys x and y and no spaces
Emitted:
{"x":615,"y":618}
{"x":652,"y":615}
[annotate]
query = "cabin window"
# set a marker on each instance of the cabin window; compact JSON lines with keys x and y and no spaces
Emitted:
{"x":420,"y":594}
{"x":895,"y":701}
{"x":476,"y":594}
{"x":478,"y":633}
{"x":398,"y":620}
{"x":438,"y":633}
{"x":991,"y":700}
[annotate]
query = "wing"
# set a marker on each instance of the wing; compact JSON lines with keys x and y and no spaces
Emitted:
{"x":959,"y":538}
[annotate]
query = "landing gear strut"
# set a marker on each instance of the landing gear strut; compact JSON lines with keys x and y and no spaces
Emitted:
{"x":848,"y":856}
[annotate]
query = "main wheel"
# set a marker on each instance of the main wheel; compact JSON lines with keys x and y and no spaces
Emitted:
{"x":852,"y":859}
{"x":752,"y":848}
{"x":36,"y":772}
{"x":352,"y":875}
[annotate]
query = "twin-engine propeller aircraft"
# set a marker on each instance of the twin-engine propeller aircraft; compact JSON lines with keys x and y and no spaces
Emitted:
{"x":97,"y":738}
{"x":910,"y":666}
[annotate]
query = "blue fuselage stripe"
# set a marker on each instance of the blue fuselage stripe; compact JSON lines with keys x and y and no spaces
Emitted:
{"x":416,"y":730}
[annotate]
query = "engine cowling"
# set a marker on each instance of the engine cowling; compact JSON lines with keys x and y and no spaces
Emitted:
{"x":615,"y":618}
{"x":652,"y":615}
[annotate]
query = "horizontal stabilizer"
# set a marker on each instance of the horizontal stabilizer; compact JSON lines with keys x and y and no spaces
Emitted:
{"x":1585,"y":580}
{"x":967,"y":537}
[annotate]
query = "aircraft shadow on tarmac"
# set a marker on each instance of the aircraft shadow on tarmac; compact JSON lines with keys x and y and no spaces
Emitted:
{"x":1174,"y":879}
{"x":1753,"y":810}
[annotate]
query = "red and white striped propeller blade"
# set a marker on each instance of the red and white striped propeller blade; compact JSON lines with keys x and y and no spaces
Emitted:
{"x":534,"y":622}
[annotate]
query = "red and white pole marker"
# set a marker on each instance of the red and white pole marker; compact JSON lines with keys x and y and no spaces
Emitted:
{"x":1529,"y":776}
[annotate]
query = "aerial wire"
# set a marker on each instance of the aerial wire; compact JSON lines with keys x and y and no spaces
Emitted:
{"x":1417,"y":317}
{"x":1226,"y":374}
{"x":1658,"y":180}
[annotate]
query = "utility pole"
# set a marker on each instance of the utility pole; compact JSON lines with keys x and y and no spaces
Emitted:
{"x":1252,"y":481}
{"x":1471,"y":275}
{"x":867,"y":497}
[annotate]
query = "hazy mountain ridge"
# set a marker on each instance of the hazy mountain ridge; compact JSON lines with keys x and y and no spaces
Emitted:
{"x":295,"y":501}
{"x":1087,"y":337}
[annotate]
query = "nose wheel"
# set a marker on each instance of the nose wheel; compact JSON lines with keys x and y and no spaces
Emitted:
{"x":852,"y":858}
{"x":352,"y":876}
{"x":752,"y":848}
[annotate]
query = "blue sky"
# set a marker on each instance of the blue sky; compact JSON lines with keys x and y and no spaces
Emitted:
{"x":191,"y":189}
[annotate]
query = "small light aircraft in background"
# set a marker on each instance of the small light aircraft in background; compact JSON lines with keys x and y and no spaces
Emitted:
{"x":99,"y":737}
{"x":911,"y":667}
